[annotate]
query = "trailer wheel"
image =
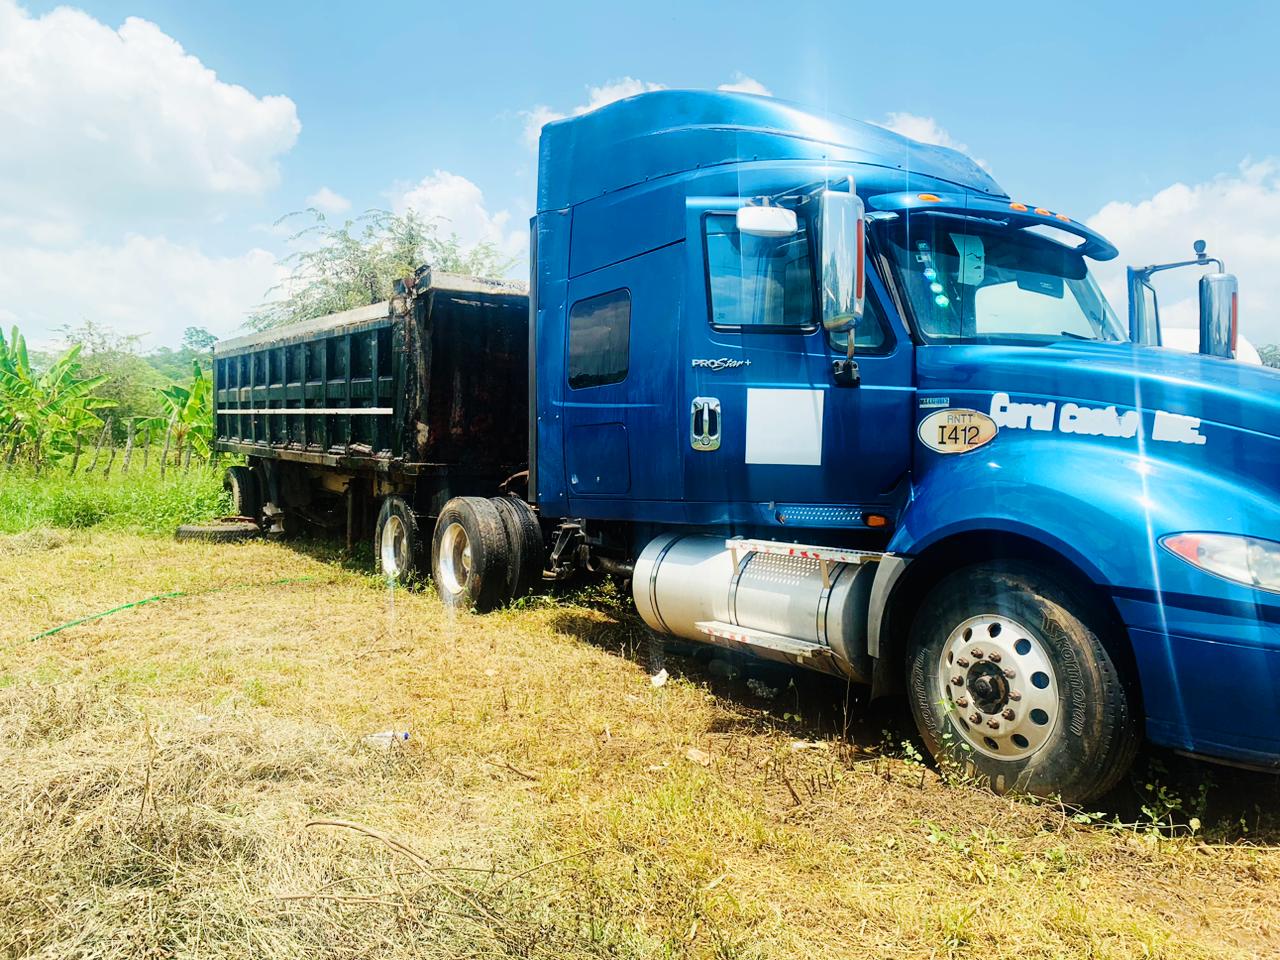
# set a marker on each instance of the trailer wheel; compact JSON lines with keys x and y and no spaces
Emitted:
{"x":396,"y":541}
{"x":1010,"y":684}
{"x":524,"y":537}
{"x":246,"y":499}
{"x":471,"y":555}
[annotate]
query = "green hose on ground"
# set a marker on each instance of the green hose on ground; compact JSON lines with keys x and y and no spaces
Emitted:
{"x":163,"y":596}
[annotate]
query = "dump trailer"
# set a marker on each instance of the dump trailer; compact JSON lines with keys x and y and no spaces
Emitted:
{"x":818,"y":393}
{"x":375,"y":416}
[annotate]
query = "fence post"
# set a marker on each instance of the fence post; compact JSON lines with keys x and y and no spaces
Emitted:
{"x":75,"y":457}
{"x":128,"y":448}
{"x":146,"y":449}
{"x":186,"y":457}
{"x":164,"y":454}
{"x":106,"y":428}
{"x":111,"y":459}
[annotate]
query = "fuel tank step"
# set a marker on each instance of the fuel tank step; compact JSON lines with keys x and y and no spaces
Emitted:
{"x":771,"y":646}
{"x":780,"y":549}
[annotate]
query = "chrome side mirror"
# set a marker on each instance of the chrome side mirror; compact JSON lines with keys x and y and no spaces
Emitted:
{"x":1144,"y":309}
{"x":842,"y":235}
{"x":1219,"y":307}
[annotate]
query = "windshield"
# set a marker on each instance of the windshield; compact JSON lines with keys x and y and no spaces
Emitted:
{"x":972,"y":281}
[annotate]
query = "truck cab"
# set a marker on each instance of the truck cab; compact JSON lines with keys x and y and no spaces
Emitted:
{"x":966,"y":482}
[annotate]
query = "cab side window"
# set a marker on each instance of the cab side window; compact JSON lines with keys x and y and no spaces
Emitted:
{"x":600,"y":340}
{"x":761,"y":283}
{"x":871,"y":335}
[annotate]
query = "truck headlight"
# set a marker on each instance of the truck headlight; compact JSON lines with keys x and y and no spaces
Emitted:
{"x":1246,"y":560}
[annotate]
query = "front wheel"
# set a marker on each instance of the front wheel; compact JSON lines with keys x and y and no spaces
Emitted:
{"x":1010,"y":683}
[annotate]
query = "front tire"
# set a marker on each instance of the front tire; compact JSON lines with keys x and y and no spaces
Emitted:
{"x":396,"y":544}
{"x":1011,"y":684}
{"x":471,"y":555}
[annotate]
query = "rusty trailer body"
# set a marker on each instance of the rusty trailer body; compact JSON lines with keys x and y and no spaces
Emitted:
{"x":424,"y":396}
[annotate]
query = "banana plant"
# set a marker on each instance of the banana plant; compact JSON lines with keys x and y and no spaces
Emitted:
{"x":42,"y":415}
{"x":189,"y":409}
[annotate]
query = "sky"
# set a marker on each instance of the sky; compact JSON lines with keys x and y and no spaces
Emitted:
{"x":148,"y":148}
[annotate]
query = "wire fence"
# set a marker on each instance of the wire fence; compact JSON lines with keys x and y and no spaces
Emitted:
{"x":176,"y":449}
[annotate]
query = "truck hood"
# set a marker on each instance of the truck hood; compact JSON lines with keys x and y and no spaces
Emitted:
{"x":1129,"y":376}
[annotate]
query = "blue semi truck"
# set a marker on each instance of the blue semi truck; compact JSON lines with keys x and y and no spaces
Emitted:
{"x":822,"y":394}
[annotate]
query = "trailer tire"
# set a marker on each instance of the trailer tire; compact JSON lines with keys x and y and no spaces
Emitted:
{"x":471,"y":555}
{"x":246,"y":497}
{"x":524,"y":538}
{"x":1049,"y":714}
{"x":396,"y":541}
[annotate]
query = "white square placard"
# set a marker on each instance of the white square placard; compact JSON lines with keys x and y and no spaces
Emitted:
{"x":784,"y":426}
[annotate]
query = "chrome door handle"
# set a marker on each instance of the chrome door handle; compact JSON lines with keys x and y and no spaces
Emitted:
{"x":704,"y":432}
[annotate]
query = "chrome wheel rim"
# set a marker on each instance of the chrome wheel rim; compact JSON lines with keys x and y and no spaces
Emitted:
{"x":455,"y":559}
{"x":996,"y":680}
{"x":394,"y":552}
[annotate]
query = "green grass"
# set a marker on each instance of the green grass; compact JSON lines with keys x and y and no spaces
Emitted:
{"x":138,"y":501}
{"x":189,"y":778}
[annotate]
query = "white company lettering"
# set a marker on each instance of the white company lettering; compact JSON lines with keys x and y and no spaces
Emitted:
{"x":1092,"y":421}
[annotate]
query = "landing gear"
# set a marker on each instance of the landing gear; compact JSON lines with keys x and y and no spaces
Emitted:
{"x":1011,"y":684}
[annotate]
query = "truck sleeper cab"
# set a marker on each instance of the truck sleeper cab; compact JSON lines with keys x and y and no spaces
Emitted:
{"x":830,"y":396}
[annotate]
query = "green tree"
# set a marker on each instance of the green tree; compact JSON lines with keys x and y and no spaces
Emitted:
{"x":42,"y":413}
{"x":130,"y":381}
{"x":189,"y":409}
{"x":198,"y":340}
{"x":357,"y":263}
{"x":1270,"y":355}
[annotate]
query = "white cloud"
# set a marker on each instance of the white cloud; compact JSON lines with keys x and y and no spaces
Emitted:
{"x":539,"y":116}
{"x":460,"y":208}
{"x":924,"y":129}
{"x":1236,"y":214}
{"x":143,"y":285}
{"x":124,"y":121}
{"x":105,"y":135}
{"x":927,"y":130}
{"x":327,"y":201}
{"x":606,"y":93}
{"x":741,"y":83}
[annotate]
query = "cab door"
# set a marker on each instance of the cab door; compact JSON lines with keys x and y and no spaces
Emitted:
{"x":772,"y":438}
{"x":619,"y":421}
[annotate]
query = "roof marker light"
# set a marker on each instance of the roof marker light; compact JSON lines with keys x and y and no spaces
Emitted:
{"x":1063,"y":217}
{"x":1020,"y":207}
{"x":929,"y":197}
{"x":1043,"y":212}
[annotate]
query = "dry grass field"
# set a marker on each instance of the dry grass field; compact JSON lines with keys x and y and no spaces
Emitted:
{"x":189,"y":778}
